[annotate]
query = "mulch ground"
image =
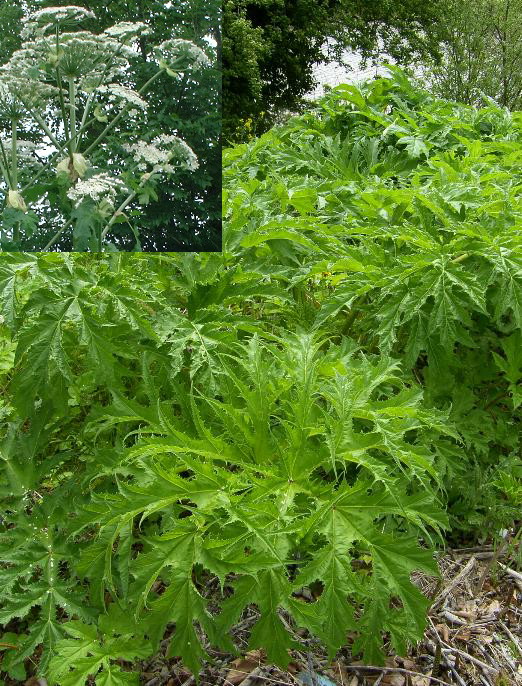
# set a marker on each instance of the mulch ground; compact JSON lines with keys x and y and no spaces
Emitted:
{"x":473,"y":638}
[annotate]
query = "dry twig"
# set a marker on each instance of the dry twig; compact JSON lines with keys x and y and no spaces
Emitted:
{"x":400,"y":670}
{"x":447,"y":590}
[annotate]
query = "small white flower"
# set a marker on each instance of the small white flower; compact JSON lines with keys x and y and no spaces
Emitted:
{"x":59,"y":13}
{"x":178,"y":55}
{"x":42,"y":21}
{"x":164,"y":153}
{"x":24,"y":149}
{"x":100,"y":188}
{"x":115,"y":91}
{"x":126,"y":30}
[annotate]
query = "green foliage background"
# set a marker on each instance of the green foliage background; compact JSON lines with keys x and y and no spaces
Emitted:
{"x":184,"y":435}
{"x":270,"y":47}
{"x":187,"y":215}
{"x":482,"y":53}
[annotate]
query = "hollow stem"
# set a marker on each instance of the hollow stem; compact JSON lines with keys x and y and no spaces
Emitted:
{"x":124,"y":204}
{"x":90,"y":97}
{"x":461,"y":258}
{"x":45,"y":128}
{"x":60,"y":92}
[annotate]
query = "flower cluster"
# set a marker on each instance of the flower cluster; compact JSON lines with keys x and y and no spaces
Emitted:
{"x":80,"y":55}
{"x":10,"y":105}
{"x":164,"y":153}
{"x":178,"y":55}
{"x":126,"y":30}
{"x":101,"y":187}
{"x":116,"y":93}
{"x":24,"y":149}
{"x":44,"y":20}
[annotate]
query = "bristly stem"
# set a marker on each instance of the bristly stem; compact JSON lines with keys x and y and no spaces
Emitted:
{"x":460,"y":258}
{"x":57,"y":236}
{"x":60,"y":148}
{"x":44,"y":126}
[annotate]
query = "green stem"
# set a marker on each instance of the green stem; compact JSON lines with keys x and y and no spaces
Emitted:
{"x":60,"y":91}
{"x":90,"y":98}
{"x":461,"y":258}
{"x":14,"y":155}
{"x":354,"y":311}
{"x":64,"y":112}
{"x":45,"y":128}
{"x":57,"y":236}
{"x":124,"y":204}
{"x":4,"y":164}
{"x":61,"y":148}
{"x":14,"y":173}
{"x":116,"y":119}
{"x":72,"y":110}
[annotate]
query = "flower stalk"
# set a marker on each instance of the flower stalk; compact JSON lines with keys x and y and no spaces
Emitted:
{"x":124,"y":205}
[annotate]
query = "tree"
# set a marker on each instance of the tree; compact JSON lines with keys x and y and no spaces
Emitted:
{"x":270,"y":47}
{"x":482,"y":52}
{"x":10,"y":27}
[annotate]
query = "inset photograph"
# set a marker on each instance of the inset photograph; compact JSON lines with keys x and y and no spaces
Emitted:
{"x":110,"y":125}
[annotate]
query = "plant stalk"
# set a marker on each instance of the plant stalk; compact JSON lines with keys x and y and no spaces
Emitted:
{"x":14,"y":155}
{"x":4,"y":164}
{"x":72,"y":112}
{"x":124,"y":204}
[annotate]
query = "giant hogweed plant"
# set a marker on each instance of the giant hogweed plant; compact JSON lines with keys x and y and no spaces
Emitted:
{"x":288,"y":425}
{"x":395,"y":218}
{"x":169,"y":461}
{"x":63,"y":174}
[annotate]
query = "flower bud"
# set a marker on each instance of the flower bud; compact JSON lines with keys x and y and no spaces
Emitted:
{"x":15,"y":200}
{"x":74,"y":168}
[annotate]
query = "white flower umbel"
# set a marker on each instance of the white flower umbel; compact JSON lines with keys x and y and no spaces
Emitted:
{"x":126,"y":30}
{"x":25,"y":149}
{"x":164,"y":154}
{"x":116,"y":93}
{"x":45,"y":20}
{"x":180,"y":55}
{"x":11,"y":106}
{"x":101,"y":187}
{"x":57,"y":14}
